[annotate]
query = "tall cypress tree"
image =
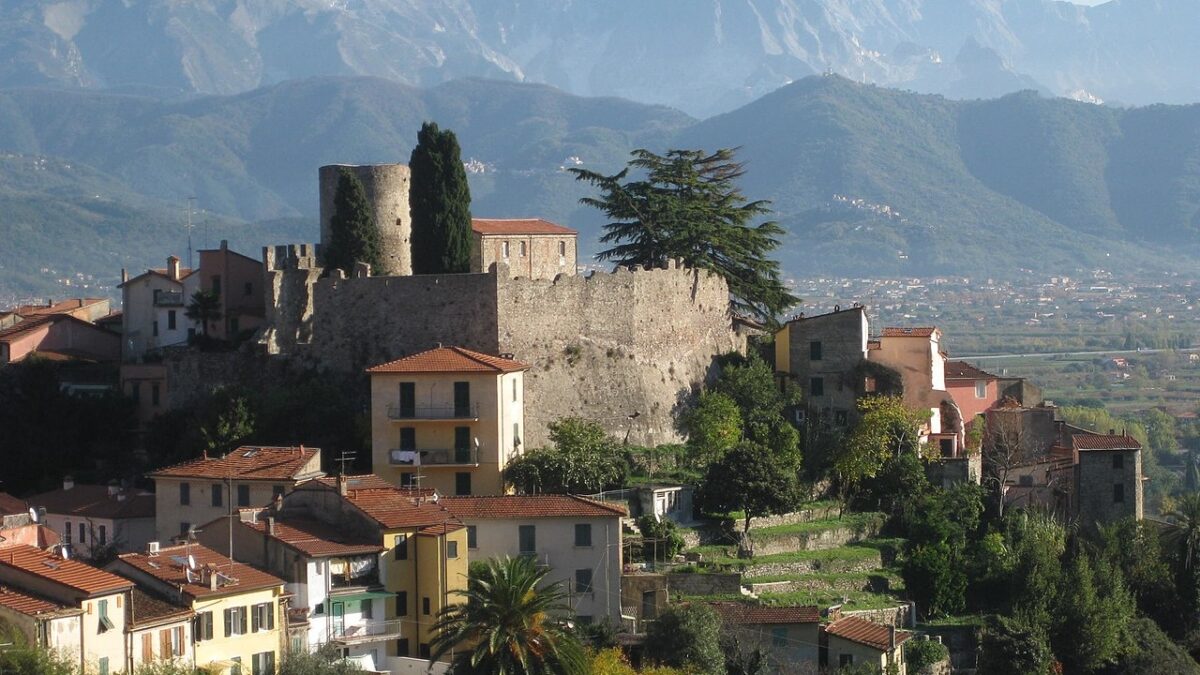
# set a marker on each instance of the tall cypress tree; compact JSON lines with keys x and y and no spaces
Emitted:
{"x":354,"y":234}
{"x":440,"y":203}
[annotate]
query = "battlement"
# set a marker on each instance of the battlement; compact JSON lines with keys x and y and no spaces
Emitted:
{"x":291,"y":257}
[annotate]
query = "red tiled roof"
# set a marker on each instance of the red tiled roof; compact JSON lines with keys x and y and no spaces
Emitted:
{"x":313,"y":538}
{"x":68,"y":305}
{"x":530,"y":506}
{"x":440,"y":529}
{"x":70,"y":573}
{"x":874,"y":344}
{"x":27,"y":325}
{"x":397,"y":508}
{"x":517,"y":226}
{"x":247,"y":463}
{"x":922,"y":331}
{"x":166,"y":568}
{"x":865,"y":632}
{"x":370,"y":481}
{"x":450,"y":360}
{"x":184,"y":272}
{"x":147,"y":608}
{"x":10,"y":505}
{"x":1104,"y":442}
{"x":94,"y":501}
{"x":29,"y":605}
{"x":743,"y":614}
{"x":961,"y":370}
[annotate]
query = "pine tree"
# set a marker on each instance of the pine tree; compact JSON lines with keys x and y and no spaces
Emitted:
{"x":354,"y":234}
{"x":688,"y":206}
{"x":440,"y":203}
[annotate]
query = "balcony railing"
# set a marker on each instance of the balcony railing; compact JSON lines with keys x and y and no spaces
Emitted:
{"x":168,"y":298}
{"x":366,"y":631}
{"x":433,"y":412}
{"x":434,"y":457}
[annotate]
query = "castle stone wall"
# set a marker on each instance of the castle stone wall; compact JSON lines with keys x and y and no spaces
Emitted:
{"x":387,"y":188}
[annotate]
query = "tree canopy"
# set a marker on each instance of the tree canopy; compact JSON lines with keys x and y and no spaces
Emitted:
{"x":583,"y":460}
{"x":204,"y":308}
{"x":686,"y":205}
{"x":751,"y":480}
{"x":687,"y":637}
{"x":440,"y":204}
{"x":354,"y":235}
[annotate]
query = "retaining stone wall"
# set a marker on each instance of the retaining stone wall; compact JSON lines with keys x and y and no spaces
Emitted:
{"x":704,"y":584}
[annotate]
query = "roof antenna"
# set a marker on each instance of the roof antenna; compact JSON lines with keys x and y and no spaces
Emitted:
{"x":342,"y":459}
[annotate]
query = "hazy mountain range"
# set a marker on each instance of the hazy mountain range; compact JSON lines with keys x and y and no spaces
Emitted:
{"x":701,"y":56}
{"x":866,"y":180}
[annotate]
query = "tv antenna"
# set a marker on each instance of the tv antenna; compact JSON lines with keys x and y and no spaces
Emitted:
{"x":342,"y":459}
{"x":191,"y":201}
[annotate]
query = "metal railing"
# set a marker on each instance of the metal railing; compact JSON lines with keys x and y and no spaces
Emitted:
{"x":366,"y":631}
{"x":434,"y":457}
{"x":433,"y":412}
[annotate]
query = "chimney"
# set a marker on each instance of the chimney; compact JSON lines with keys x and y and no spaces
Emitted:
{"x":68,"y":482}
{"x":224,"y":244}
{"x":173,"y":268}
{"x":1112,"y":432}
{"x":212,"y":580}
{"x":891,"y":641}
{"x":124,"y":275}
{"x":271,"y":525}
{"x":341,"y":480}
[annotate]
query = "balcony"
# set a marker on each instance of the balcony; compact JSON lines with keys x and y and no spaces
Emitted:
{"x":365,"y":631}
{"x":168,"y":298}
{"x":434,"y":457}
{"x":434,"y":413}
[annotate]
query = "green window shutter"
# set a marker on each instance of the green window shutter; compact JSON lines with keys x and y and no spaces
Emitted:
{"x":228,"y":622}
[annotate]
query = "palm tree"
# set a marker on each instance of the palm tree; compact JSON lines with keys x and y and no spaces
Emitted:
{"x":508,"y":625}
{"x":1185,"y":518}
{"x":204,"y":307}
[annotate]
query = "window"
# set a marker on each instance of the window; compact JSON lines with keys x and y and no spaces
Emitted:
{"x":408,"y":399}
{"x":137,"y":393}
{"x":147,"y":647}
{"x":402,"y":606}
{"x":202,"y":627}
{"x":217,"y":499}
{"x":154,"y":394}
{"x":462,"y":445}
{"x":462,"y":483}
{"x":472,"y":542}
{"x":102,"y":610}
{"x":235,"y":621}
{"x":184,"y":528}
{"x":462,"y":399}
{"x":516,"y":436}
{"x":234,"y":326}
{"x":408,"y":439}
{"x":368,"y":609}
{"x":67,"y":534}
{"x":1119,"y":493}
{"x":1118,"y":461}
{"x":584,"y":619}
{"x":177,"y":641}
{"x":164,"y":642}
{"x":276,"y":491}
{"x":516,"y":390}
{"x":102,"y":665}
{"x":216,"y":284}
{"x":185,"y":494}
{"x":504,"y":249}
{"x":82,"y":534}
{"x":425,"y":606}
{"x":424,"y":649}
{"x":248,"y":289}
{"x":170,"y":319}
{"x":845,"y":660}
{"x":522,"y":249}
{"x":562,"y":248}
{"x":154,"y":328}
{"x":583,"y":581}
{"x":402,"y":647}
{"x":262,"y":617}
{"x":263,"y":663}
{"x":400,"y":545}
{"x":583,"y":534}
{"x":1025,"y":481}
{"x":243,"y":495}
{"x":814,"y":350}
{"x":527,"y":539}
{"x":816,"y":386}
{"x":103,"y":535}
{"x":980,"y":388}
{"x":947,"y":446}
{"x":319,"y":609}
{"x":779,"y":636}
{"x":451,"y":550}
{"x":408,"y":479}
{"x":236,"y":668}
{"x":840,"y":418}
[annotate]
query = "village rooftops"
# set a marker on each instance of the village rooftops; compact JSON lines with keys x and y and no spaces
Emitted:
{"x":59,"y":307}
{"x":97,"y":501}
{"x":920,"y":331}
{"x":31,"y":605}
{"x":249,"y":463}
{"x":867,"y":633}
{"x":450,"y":360}
{"x":82,"y":578}
{"x":394,"y":508}
{"x":961,"y":370}
{"x":1104,"y":442}
{"x":214,"y":575}
{"x":742,"y":614}
{"x":148,"y":609}
{"x":311,"y":538}
{"x":518,"y":226}
{"x":530,"y":506}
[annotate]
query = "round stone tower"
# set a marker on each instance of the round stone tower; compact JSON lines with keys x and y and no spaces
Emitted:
{"x":387,"y":192}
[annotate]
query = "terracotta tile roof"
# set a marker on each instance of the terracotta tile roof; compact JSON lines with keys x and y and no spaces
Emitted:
{"x":248,"y":463}
{"x":922,"y":331}
{"x":370,"y":481}
{"x":743,"y":614}
{"x":70,"y":573}
{"x":94,"y":501}
{"x":29,"y":605}
{"x":530,"y":506}
{"x":450,"y":360}
{"x":397,"y":508}
{"x":439,"y":530}
{"x":168,"y":567}
{"x":68,"y":305}
{"x":15,"y":331}
{"x":10,"y":505}
{"x":874,"y":344}
{"x":147,"y":608}
{"x":517,"y":226}
{"x":313,"y":538}
{"x":1104,"y":442}
{"x":184,"y":272}
{"x":865,"y":632}
{"x":961,"y":370}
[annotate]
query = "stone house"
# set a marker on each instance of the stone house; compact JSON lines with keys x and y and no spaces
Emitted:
{"x":447,"y":418}
{"x":1108,"y":478}
{"x":789,"y":635}
{"x":531,"y":247}
{"x":849,"y":641}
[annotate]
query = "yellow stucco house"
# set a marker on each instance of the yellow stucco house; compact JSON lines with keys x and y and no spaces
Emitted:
{"x":447,"y":418}
{"x":239,"y":619}
{"x":850,"y":641}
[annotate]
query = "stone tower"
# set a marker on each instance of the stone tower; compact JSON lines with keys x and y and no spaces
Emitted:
{"x":387,"y":191}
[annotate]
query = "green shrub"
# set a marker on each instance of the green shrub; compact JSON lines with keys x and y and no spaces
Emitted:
{"x":923,"y":653}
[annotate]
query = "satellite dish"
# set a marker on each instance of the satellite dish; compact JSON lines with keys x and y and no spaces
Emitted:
{"x":191,"y":562}
{"x":476,"y":442}
{"x":190,"y":578}
{"x":33,"y":514}
{"x":65,"y":553}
